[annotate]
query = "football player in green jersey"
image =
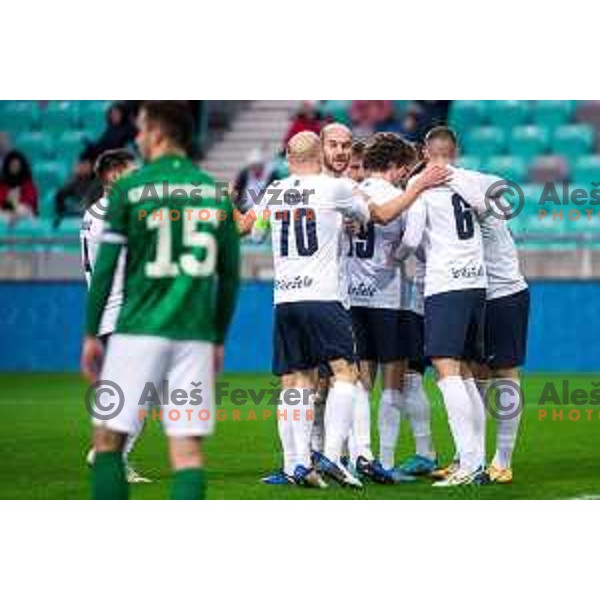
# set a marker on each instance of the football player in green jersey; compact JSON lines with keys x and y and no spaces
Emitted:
{"x":181,"y":283}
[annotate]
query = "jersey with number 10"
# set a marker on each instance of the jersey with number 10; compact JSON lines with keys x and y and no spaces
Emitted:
{"x":180,"y":238}
{"x":305,"y":214}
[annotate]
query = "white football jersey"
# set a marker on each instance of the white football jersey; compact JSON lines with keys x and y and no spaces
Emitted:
{"x":413,"y":290}
{"x":447,"y":226}
{"x":306,"y":218}
{"x":90,"y":236}
{"x":499,"y":249}
{"x":373,"y":282}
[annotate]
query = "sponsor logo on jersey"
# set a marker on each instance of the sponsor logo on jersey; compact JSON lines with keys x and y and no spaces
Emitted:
{"x":293,"y":284}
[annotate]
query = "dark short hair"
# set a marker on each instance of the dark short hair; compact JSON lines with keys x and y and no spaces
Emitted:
{"x":173,"y":118}
{"x":112,"y":159}
{"x":358,"y":148}
{"x":385,"y":150}
{"x":441,"y":132}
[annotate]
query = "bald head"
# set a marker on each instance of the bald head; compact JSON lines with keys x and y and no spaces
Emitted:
{"x":336,"y":139}
{"x":303,"y":152}
{"x":304,"y":147}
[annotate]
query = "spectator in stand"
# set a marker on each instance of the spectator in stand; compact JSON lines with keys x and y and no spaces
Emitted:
{"x":119,"y":133}
{"x":306,"y":119}
{"x":410,"y":126}
{"x":252,"y":180}
{"x":75,"y":195}
{"x":18,"y":194}
{"x":366,"y":115}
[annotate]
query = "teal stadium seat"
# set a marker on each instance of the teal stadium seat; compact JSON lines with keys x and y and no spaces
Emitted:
{"x":508,"y":166}
{"x":36,"y":145}
{"x":527,"y":141}
{"x":586,"y":168}
{"x":509,"y":113}
{"x":338,"y":110}
{"x":468,"y":161}
{"x":553,"y":113}
{"x":572,"y":141}
{"x":58,"y":117}
{"x":468,"y":113}
{"x":49,"y":176}
{"x":19,"y":118}
{"x":70,"y":144}
{"x":485,"y":141}
{"x":91,"y":116}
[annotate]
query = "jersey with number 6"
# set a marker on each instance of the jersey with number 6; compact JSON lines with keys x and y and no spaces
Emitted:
{"x":451,"y":239}
{"x":180,"y":239}
{"x":306,"y":215}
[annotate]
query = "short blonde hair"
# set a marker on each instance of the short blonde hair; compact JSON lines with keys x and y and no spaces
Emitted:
{"x":304,"y":147}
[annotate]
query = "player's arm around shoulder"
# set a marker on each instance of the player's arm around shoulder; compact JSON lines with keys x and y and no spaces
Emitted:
{"x":431,"y":176}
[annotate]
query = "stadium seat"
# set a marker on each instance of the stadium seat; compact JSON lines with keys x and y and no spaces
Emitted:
{"x":469,"y":161}
{"x":485,"y":141}
{"x":57,"y":118}
{"x":572,"y":141}
{"x":511,"y":167}
{"x":528,"y":141}
{"x":36,"y":145}
{"x":545,"y":169}
{"x":468,"y":113}
{"x":91,"y":116}
{"x":70,"y":144}
{"x":509,"y":113}
{"x":338,"y":110}
{"x":587,"y":168}
{"x":49,"y":176}
{"x":19,"y":120}
{"x":553,"y":113}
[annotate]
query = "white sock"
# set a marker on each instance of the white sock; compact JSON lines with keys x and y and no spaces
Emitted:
{"x":458,"y":407}
{"x":478,"y":416}
{"x":338,"y":418}
{"x":360,"y":439}
{"x":507,"y":426}
{"x":301,"y":425}
{"x":388,"y":422}
{"x":286,"y":434}
{"x":130,"y":442}
{"x":419,"y":415}
{"x":317,"y":436}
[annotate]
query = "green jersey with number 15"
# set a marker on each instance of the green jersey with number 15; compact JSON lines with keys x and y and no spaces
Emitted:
{"x":182,"y":269}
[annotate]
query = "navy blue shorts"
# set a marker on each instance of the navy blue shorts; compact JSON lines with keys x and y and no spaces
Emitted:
{"x":505,"y":330}
{"x":380,"y":334}
{"x":454,"y":324}
{"x":415,"y":332}
{"x":309,"y":334}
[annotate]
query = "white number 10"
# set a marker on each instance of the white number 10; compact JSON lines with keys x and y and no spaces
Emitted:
{"x":163,"y":265}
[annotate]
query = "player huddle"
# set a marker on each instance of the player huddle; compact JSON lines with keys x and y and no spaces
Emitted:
{"x":354,"y":221}
{"x":346,"y":309}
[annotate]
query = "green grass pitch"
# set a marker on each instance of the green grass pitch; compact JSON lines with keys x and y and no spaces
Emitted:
{"x":45,"y":434}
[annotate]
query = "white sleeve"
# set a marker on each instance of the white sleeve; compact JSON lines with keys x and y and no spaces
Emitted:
{"x":349,"y":203}
{"x":416,"y":217}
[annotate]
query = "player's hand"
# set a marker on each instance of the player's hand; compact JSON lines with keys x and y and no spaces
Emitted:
{"x":219,"y":353}
{"x":432,"y":176}
{"x":91,"y":358}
